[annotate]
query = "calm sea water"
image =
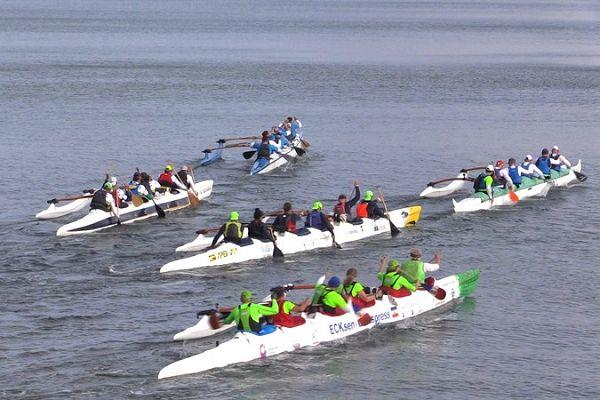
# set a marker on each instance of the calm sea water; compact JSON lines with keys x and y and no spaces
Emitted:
{"x":396,"y":93}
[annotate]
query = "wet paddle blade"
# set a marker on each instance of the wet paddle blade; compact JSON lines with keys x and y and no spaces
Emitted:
{"x":248,"y":154}
{"x":393,"y":229}
{"x":440,"y":294}
{"x":159,"y":211}
{"x":513,"y":197}
{"x":300,"y":151}
{"x":580,"y":177}
{"x":304,"y":142}
{"x":277,"y":251}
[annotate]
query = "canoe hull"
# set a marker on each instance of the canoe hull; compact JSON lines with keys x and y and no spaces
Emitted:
{"x":97,"y":220}
{"x":320,"y":328}
{"x":290,"y":243}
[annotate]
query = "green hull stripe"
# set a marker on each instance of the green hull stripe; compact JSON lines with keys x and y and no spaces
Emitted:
{"x":467,"y":281}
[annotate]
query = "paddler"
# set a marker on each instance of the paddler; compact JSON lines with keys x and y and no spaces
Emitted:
{"x":232,"y":230}
{"x":392,"y":281}
{"x":286,"y":222}
{"x":186,"y":178}
{"x":529,"y":169}
{"x":368,"y":207}
{"x":118,"y":194}
{"x":264,"y":148}
{"x":169,"y":180}
{"x":248,"y":315}
{"x":295,"y":126}
{"x":543,"y":163}
{"x":342,"y":212}
{"x":483,"y":183}
{"x":257,"y":229}
{"x":515,"y":172}
{"x":134,"y":184}
{"x":501,"y":176}
{"x":327,"y":297}
{"x":285,"y":317}
{"x":316,"y":219}
{"x":557,"y":160}
{"x":103,"y":200}
{"x":414,"y":268}
{"x":354,"y":291}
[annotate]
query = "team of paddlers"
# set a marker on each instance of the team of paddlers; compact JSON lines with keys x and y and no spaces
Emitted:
{"x":334,"y":297}
{"x":287,"y":219}
{"x":511,"y":176}
{"x":141,"y":189}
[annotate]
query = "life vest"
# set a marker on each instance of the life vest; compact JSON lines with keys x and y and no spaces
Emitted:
{"x":264,"y":151}
{"x":315,"y":219}
{"x":165,"y":179}
{"x":233,"y":230}
{"x":555,"y":167}
{"x":327,"y":308}
{"x":183,"y":177}
{"x":99,"y":201}
{"x":339,"y":209}
{"x":245,"y":321}
{"x":284,"y":319}
{"x":347,"y":289}
{"x":361,"y":209}
{"x":513,"y":172}
{"x":525,"y":166}
{"x":543,"y":163}
{"x":499,"y":179}
{"x":479,"y":183}
{"x":414,"y":269}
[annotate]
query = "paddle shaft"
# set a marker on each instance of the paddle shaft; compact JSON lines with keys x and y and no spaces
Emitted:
{"x":393,"y":228}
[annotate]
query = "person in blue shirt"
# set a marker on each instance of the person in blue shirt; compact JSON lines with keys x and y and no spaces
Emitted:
{"x":264,"y":148}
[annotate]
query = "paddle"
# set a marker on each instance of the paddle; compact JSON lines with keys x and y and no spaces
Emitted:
{"x":240,"y":138}
{"x":192,"y":197}
{"x":54,"y":201}
{"x":291,"y":286}
{"x":305,"y":142}
{"x":300,"y":151}
{"x":512,"y":195}
{"x":248,"y":154}
{"x":450,"y":179}
{"x":471,"y":169}
{"x":436,"y":292}
{"x":393,"y":229}
{"x":580,"y":177}
{"x":159,"y":211}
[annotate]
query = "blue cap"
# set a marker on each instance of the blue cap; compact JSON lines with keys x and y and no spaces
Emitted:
{"x":334,"y":282}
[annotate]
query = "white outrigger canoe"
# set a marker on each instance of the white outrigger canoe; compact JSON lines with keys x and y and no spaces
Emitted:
{"x":305,"y":239}
{"x":320,"y":328}
{"x":530,"y":187}
{"x":263,"y":166}
{"x":462,"y":182}
{"x":97,"y":220}
{"x":54,"y":211}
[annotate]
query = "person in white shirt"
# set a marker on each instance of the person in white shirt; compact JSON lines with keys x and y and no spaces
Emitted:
{"x":529,"y":169}
{"x":185,"y":177}
{"x":501,"y":175}
{"x":556,"y":159}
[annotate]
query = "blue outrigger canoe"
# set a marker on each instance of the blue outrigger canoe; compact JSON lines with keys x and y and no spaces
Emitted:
{"x":212,"y":156}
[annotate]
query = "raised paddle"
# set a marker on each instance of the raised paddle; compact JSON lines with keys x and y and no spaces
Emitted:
{"x":393,"y":229}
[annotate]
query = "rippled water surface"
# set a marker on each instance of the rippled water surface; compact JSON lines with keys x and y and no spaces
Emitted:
{"x":396,"y":93}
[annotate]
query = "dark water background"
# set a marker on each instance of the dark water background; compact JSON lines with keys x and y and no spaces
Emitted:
{"x":396,"y":93}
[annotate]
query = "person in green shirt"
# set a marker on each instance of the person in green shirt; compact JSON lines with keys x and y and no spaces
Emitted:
{"x":354,"y":291}
{"x":483,"y":183}
{"x":330,"y":300}
{"x":392,"y":281}
{"x":414,"y":269}
{"x":286,"y":307}
{"x":247,"y":315}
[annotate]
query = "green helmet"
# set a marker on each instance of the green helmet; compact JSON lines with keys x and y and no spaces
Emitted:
{"x":368,"y":195}
{"x":108,"y":185}
{"x":317,"y":205}
{"x":246,"y":295}
{"x":234,"y":216}
{"x":392,"y":265}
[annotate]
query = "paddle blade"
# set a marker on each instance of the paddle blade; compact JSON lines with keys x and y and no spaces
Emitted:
{"x":336,"y":245}
{"x":393,"y":229}
{"x":194,"y":201}
{"x":513,"y":197}
{"x":277,"y":251}
{"x":248,"y":154}
{"x":440,"y":294}
{"x":580,"y":177}
{"x":137,"y":200}
{"x":214,"y":321}
{"x":159,"y":211}
{"x":304,"y":142}
{"x":365,"y":319}
{"x":300,"y":151}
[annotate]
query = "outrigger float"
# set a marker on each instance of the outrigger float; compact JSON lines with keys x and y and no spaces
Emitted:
{"x":530,"y":187}
{"x":303,"y":240}
{"x":97,"y":220}
{"x":321,"y":328}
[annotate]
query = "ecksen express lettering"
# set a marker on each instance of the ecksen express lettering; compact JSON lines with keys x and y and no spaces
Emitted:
{"x":341,"y":327}
{"x":381,"y":317}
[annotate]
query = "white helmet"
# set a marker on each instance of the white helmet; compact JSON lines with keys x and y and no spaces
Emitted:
{"x":528,"y":157}
{"x":489,"y":168}
{"x":555,"y":148}
{"x":113,"y":180}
